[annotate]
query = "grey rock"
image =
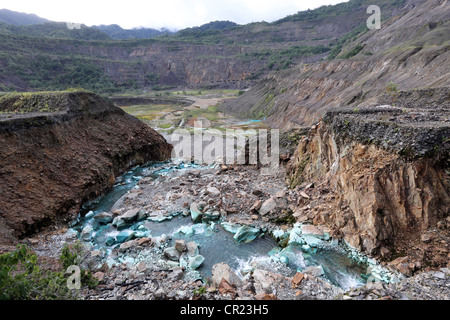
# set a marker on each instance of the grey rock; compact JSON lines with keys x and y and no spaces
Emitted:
{"x":192,"y":248}
{"x":196,"y":262}
{"x":267,"y":206}
{"x":103,"y":217}
{"x":196,"y":213}
{"x":86,"y":233}
{"x":246,"y":234}
{"x":223,"y":271}
{"x":172,"y":253}
{"x":180,"y":245}
{"x":130,"y":215}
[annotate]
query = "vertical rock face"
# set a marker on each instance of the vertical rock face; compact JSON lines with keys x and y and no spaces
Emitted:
{"x":382,"y":199}
{"x":61,"y":149}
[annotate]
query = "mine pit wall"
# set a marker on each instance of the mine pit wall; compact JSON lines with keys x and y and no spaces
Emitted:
{"x":381,"y":198}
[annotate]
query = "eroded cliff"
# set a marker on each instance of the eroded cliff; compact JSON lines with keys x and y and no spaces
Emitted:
{"x":386,"y":172}
{"x":60,"y":149}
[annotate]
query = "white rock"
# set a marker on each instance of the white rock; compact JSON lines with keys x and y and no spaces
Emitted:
{"x":267,"y":206}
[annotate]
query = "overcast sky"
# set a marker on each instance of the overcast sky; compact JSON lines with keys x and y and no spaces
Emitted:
{"x":174,"y":14}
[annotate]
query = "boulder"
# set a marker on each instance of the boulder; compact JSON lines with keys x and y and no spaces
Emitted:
{"x":120,"y":223}
{"x":312,"y":241}
{"x":256,"y":206}
{"x":310,"y":230}
{"x":223,"y":271}
{"x":110,"y":241}
{"x":266,"y":281}
{"x":172,"y":253}
{"x":297,"y":279}
{"x":230,"y":227}
{"x":141,"y":267}
{"x":130,"y":215}
{"x":99,"y":276}
{"x":267,"y":206}
{"x":315,"y":271}
{"x":196,"y":213}
{"x":180,"y":245}
{"x":295,"y":235}
{"x":103,"y":217}
{"x":246,"y":234}
{"x":212,"y":191}
{"x":196,"y":262}
{"x":126,"y":245}
{"x":280,"y":194}
{"x":192,"y":248}
{"x":226,"y":288}
{"x":176,"y":274}
{"x":89,"y":215}
{"x":86,"y":233}
{"x":125,"y":236}
{"x":159,"y":218}
{"x":265,"y":296}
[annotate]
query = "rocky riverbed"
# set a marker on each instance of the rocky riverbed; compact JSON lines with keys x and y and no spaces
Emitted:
{"x":143,"y":243}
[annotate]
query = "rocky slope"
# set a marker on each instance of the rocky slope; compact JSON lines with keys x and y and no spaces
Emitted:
{"x":386,"y":172}
{"x":409,"y":52}
{"x":60,"y":149}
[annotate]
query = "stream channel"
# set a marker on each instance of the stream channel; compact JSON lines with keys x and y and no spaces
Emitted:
{"x":217,"y":241}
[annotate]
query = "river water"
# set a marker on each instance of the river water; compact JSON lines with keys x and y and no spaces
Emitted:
{"x":216,"y":244}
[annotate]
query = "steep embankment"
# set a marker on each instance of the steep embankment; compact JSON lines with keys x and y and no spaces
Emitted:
{"x":60,"y":149}
{"x":387,"y":171}
{"x":409,"y":52}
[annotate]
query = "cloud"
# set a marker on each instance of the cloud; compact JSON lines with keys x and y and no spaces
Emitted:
{"x":175,"y":14}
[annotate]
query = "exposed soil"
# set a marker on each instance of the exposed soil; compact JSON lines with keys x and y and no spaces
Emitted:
{"x":50,"y":167}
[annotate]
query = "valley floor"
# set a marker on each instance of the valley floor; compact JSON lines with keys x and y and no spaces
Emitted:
{"x":146,"y":272}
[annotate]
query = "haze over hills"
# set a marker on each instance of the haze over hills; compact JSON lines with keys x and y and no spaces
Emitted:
{"x":20,"y":18}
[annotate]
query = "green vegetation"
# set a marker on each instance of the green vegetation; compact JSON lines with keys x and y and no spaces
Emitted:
{"x":337,"y":48}
{"x":71,"y":256}
{"x":392,"y":88}
{"x":283,"y":59}
{"x":357,"y":49}
{"x":46,"y":72}
{"x":200,"y":291}
{"x":286,"y":218}
{"x":210,"y":113}
{"x":24,"y":102}
{"x":58,"y":30}
{"x":337,"y":10}
{"x":21,"y":278}
{"x":209,"y":33}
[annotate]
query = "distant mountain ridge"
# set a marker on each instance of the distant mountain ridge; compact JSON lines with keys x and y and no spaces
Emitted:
{"x":20,"y":18}
{"x":220,"y":54}
{"x":116,"y":32}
